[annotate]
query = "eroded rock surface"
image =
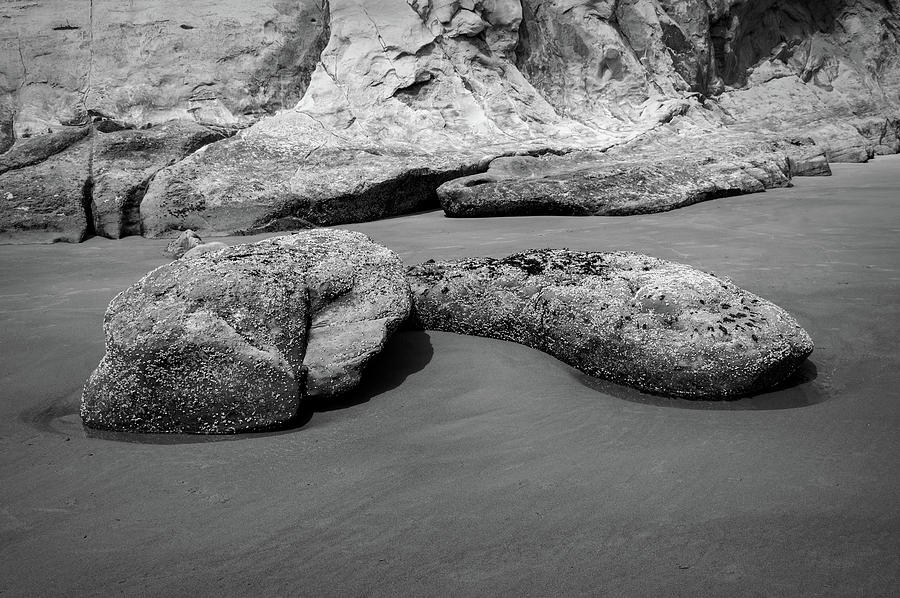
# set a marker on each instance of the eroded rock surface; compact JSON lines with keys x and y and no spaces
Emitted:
{"x":124,"y":162}
{"x":223,"y":62}
{"x":658,"y":326}
{"x":593,"y":186}
{"x":293,"y":185}
{"x":47,"y":200}
{"x":235,"y":339}
{"x":643,"y":176}
{"x":397,"y":97}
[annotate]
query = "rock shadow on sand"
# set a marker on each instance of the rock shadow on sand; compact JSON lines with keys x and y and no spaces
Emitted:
{"x":796,"y":392}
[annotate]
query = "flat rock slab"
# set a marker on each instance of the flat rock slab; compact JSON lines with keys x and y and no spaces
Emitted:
{"x":659,"y":326}
{"x":587,"y":184}
{"x":235,"y":339}
{"x":265,"y":183}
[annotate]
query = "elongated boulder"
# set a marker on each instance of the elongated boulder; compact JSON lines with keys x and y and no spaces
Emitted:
{"x":235,"y":339}
{"x":653,"y":174}
{"x":658,"y":326}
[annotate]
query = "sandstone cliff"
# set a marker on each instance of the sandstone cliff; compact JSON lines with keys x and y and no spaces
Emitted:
{"x":360,"y":109}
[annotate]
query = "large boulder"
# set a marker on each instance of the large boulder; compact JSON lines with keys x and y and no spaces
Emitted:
{"x":235,"y":339}
{"x":658,"y":326}
{"x":263,"y":182}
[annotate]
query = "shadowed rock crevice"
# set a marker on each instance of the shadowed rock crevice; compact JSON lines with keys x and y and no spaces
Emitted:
{"x":750,"y":32}
{"x":87,"y":204}
{"x":413,"y":191}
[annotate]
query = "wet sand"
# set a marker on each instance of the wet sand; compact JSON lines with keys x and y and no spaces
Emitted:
{"x":468,"y":466}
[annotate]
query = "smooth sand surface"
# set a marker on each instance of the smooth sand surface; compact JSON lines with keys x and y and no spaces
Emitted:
{"x":468,"y":466}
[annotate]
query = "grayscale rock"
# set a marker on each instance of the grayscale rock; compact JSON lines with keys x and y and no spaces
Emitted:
{"x":203,"y":248}
{"x":124,"y":162}
{"x":48,"y":200}
{"x":236,"y":339}
{"x":658,"y":326}
{"x":354,"y":110}
{"x":183,"y":243}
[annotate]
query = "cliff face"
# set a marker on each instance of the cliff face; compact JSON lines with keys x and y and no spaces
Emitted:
{"x":222,"y":62}
{"x":363,"y":107}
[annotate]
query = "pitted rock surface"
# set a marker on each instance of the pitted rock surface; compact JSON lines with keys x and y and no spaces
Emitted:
{"x":659,"y":326}
{"x":235,"y":339}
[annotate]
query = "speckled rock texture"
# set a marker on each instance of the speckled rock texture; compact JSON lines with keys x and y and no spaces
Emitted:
{"x":235,"y":339}
{"x":90,"y":180}
{"x":203,"y":248}
{"x":643,"y":176}
{"x":291,"y":186}
{"x":659,"y":326}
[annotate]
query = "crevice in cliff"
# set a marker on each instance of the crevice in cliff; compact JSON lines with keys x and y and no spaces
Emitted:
{"x":130,"y":221}
{"x":90,"y":71}
{"x":87,"y":204}
{"x":750,"y":32}
{"x":289,"y":67}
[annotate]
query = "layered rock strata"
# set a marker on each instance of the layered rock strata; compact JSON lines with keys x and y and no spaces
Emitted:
{"x":234,"y":339}
{"x":397,"y":97}
{"x":658,"y":326}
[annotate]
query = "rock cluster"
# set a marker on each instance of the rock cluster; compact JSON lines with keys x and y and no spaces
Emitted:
{"x":658,"y":326}
{"x":81,"y":181}
{"x":353,"y":110}
{"x":235,"y":339}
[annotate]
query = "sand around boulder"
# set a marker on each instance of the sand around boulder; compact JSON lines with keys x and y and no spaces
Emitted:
{"x":235,"y":339}
{"x":658,"y":326}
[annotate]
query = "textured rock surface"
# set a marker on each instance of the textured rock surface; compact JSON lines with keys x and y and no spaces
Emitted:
{"x":292,"y":185}
{"x":203,"y":248}
{"x":223,"y":62}
{"x":48,"y":200}
{"x":235,"y":339}
{"x":396,"y":96}
{"x":659,"y":326}
{"x":81,"y":181}
{"x":123,"y":163}
{"x":583,"y":184}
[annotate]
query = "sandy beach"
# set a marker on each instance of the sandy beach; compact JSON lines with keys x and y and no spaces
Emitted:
{"x":470,"y":467}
